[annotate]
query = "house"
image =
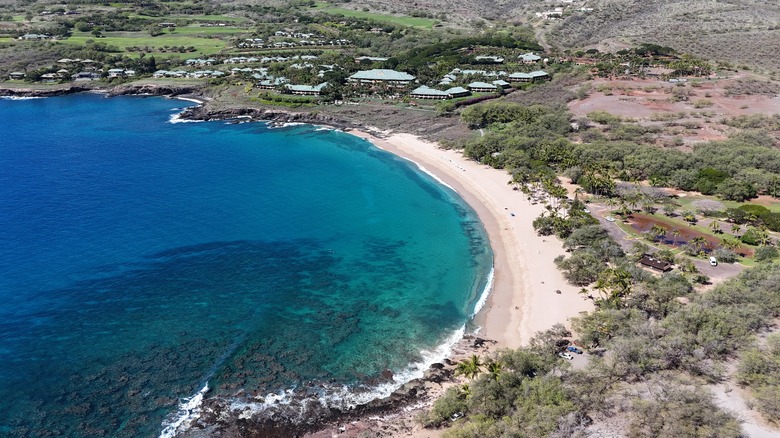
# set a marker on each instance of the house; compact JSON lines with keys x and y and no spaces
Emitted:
{"x":169,"y":25}
{"x":489,"y":59}
{"x":654,"y":263}
{"x":482,"y":87}
{"x":382,"y":76}
{"x":16,"y":75}
{"x":116,"y":73}
{"x":458,"y":92}
{"x":306,"y":90}
{"x":529,"y":58}
{"x":50,"y":77}
{"x":539,"y":75}
{"x":423,"y":92}
{"x":34,"y":37}
{"x":199,"y":61}
{"x":85,"y":76}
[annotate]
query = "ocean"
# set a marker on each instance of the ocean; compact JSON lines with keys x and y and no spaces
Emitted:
{"x":145,"y":261}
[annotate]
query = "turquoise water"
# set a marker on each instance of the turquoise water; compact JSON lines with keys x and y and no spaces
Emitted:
{"x":141,"y":259}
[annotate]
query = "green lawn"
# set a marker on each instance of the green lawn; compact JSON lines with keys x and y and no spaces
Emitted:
{"x":425,"y":23}
{"x":123,"y":40}
{"x":687,"y":202}
{"x":210,"y":30}
{"x":223,"y":18}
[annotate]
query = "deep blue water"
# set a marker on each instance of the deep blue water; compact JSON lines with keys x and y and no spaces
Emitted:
{"x":141,"y":258}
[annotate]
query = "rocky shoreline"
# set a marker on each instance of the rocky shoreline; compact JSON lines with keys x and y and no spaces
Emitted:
{"x":223,"y":417}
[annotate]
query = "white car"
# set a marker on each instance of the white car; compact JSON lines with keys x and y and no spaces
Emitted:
{"x":566,"y":356}
{"x":610,"y":219}
{"x":713,"y":261}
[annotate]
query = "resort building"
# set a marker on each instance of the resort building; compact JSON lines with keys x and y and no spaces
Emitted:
{"x":500,"y":83}
{"x":489,"y":59}
{"x":16,"y":75}
{"x":85,"y":76}
{"x":423,"y":92}
{"x":306,"y":90}
{"x":534,"y":76}
{"x":272,"y":84}
{"x":382,"y":76}
{"x":458,"y":92}
{"x":529,"y":58}
{"x":482,"y":87}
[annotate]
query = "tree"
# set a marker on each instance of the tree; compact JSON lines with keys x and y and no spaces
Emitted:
{"x":470,"y":367}
{"x":675,"y":234}
{"x":613,"y":284}
{"x":656,"y":232}
{"x":715,"y":227}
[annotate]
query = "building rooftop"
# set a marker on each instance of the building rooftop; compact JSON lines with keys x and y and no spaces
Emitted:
{"x":423,"y":90}
{"x":481,"y":85}
{"x":381,"y":74}
{"x":307,"y":88}
{"x":529,"y":57}
{"x":457,"y":90}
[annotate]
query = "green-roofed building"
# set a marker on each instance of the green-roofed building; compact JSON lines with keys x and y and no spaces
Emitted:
{"x":306,"y":90}
{"x":382,"y":76}
{"x":458,"y":92}
{"x":423,"y":92}
{"x":534,"y":76}
{"x":482,"y":87}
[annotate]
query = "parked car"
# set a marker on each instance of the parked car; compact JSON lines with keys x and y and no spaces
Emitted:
{"x":610,"y":219}
{"x":573,"y":349}
{"x":713,"y":261}
{"x":566,"y":355}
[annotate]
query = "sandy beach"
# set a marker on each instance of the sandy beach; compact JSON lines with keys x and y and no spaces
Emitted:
{"x":524,"y":299}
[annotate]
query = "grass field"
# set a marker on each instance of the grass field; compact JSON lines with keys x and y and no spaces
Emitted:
{"x":424,"y":23}
{"x":686,"y":202}
{"x":123,"y":40}
{"x":210,"y":30}
{"x":223,"y":18}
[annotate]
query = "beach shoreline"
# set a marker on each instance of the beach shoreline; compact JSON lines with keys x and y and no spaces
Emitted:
{"x":523,"y":300}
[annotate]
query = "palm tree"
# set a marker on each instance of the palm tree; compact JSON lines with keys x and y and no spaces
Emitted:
{"x":731,"y":244}
{"x":698,"y":243}
{"x":675,"y":234}
{"x":494,"y":368}
{"x":715,"y":227}
{"x":470,"y":367}
{"x":657,"y":232}
{"x":736,"y":228}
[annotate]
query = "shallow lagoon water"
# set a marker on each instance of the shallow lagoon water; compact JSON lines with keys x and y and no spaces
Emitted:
{"x":141,"y":259}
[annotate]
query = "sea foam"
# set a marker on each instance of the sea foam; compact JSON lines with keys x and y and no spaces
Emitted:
{"x":189,"y":410}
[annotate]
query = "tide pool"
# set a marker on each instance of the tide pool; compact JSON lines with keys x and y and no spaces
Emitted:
{"x":142,"y":259}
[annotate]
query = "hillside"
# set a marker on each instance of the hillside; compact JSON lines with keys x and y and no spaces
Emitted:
{"x":740,"y":32}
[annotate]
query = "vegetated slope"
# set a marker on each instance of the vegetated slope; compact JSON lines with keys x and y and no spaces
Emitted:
{"x":460,"y":12}
{"x":735,"y":31}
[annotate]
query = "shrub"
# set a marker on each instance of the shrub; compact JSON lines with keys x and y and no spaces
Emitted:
{"x":725,"y":255}
{"x":766,"y":253}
